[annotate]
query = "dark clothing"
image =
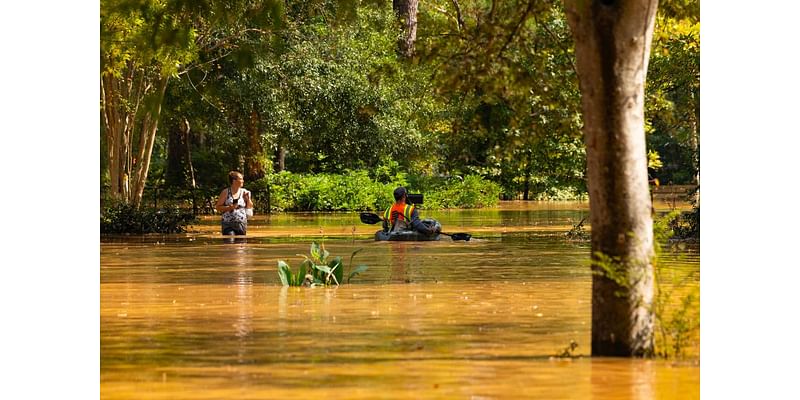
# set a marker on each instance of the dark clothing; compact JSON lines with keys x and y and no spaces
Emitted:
{"x":234,"y":228}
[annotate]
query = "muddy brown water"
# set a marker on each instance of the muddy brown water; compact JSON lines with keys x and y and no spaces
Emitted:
{"x":201,"y":317}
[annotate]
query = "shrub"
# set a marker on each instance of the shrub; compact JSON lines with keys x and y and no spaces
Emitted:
{"x":358,"y":191}
{"x":125,"y":218}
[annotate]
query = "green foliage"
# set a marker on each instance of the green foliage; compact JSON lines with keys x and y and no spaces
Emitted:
{"x":125,"y":218}
{"x":687,"y":225}
{"x":470,"y":192}
{"x":356,"y":190}
{"x":493,"y":93}
{"x":318,"y":268}
{"x":672,"y":104}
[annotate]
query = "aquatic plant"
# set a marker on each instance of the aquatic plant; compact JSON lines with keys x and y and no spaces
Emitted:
{"x":318,"y":268}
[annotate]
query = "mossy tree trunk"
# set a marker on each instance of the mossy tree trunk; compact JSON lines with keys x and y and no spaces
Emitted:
{"x":612,"y":47}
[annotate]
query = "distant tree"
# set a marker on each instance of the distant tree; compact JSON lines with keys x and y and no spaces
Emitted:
{"x":612,"y":46}
{"x":406,"y":11}
{"x":143,"y":44}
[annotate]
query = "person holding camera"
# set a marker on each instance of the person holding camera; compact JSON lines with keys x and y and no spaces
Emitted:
{"x":235,"y":204}
{"x":404,"y":216}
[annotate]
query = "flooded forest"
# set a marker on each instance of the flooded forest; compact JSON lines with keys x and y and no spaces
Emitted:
{"x":438,"y":199}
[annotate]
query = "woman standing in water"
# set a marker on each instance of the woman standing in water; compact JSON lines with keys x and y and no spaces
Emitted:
{"x":234,"y":203}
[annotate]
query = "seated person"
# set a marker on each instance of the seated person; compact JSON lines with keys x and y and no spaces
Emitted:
{"x":402,"y":216}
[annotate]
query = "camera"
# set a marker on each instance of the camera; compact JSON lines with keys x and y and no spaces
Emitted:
{"x":414,"y":198}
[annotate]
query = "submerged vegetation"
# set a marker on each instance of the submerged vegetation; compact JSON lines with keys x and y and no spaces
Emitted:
{"x":318,"y":269}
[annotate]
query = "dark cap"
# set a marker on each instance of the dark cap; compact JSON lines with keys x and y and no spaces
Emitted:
{"x":399,"y":193}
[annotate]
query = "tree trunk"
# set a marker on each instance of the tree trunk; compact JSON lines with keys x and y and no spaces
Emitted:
{"x":179,"y":172}
{"x":175,"y":175}
{"x":696,"y":144}
{"x":147,"y":140}
{"x":612,"y":47}
{"x":121,"y":97}
{"x":255,"y":165}
{"x":280,"y":158}
{"x":406,"y":12}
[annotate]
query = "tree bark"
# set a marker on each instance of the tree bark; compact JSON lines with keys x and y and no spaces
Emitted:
{"x":280,"y":158}
{"x":255,"y":167}
{"x":612,"y":47}
{"x":147,"y":140}
{"x":179,"y":173}
{"x":406,"y":12}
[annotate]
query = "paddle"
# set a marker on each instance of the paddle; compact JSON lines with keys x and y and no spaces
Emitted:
{"x":458,"y":236}
{"x":370,"y":218}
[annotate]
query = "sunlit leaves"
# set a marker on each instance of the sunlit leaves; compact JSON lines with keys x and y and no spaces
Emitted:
{"x":317,"y":270}
{"x":672,"y":105}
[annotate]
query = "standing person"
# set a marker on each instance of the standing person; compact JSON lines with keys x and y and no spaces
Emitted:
{"x":234,"y":203}
{"x":402,"y":216}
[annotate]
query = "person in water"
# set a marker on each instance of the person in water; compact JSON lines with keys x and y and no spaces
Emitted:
{"x":403,"y":216}
{"x":234,"y":203}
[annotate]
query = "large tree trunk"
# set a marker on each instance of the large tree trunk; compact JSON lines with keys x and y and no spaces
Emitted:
{"x":612,"y":47}
{"x":406,"y":12}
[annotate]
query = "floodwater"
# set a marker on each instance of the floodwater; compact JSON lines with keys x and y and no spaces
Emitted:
{"x":196,"y":316}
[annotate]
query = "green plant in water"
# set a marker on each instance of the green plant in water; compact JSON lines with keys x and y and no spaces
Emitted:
{"x":318,"y":268}
{"x":676,"y":318}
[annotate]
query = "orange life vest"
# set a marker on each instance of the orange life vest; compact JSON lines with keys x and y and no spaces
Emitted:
{"x":398,"y":210}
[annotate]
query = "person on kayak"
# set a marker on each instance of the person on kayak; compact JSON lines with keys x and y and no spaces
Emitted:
{"x":403,"y":216}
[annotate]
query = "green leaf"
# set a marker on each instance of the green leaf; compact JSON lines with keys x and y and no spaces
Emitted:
{"x":315,"y":251}
{"x":357,"y":270}
{"x":323,"y":268}
{"x":336,"y":266}
{"x":353,"y":254}
{"x":284,"y":272}
{"x":302,"y":270}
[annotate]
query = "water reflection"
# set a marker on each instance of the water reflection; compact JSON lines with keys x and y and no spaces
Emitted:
{"x":206,"y":318}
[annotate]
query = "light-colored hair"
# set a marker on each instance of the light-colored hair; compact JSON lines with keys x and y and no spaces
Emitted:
{"x":233,"y":175}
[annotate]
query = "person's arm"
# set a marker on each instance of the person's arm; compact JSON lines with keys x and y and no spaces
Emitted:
{"x":247,"y":199}
{"x":417,"y":224}
{"x":221,"y":207}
